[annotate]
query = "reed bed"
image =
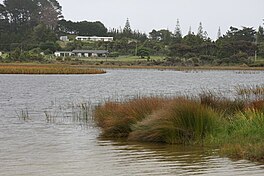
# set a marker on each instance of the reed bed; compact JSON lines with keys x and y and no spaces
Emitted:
{"x":235,"y":126}
{"x":253,"y":92}
{"x":46,"y":69}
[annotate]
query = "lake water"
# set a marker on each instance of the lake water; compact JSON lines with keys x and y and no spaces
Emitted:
{"x":69,"y":146}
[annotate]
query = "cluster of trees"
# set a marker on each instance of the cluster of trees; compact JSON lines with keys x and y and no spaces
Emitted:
{"x":236,"y":46}
{"x":27,"y":23}
{"x":84,"y":28}
{"x":34,"y":26}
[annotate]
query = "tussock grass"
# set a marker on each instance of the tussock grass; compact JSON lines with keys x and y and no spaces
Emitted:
{"x":46,"y":69}
{"x":116,"y":119}
{"x":236,"y":126}
{"x":182,"y":121}
{"x":220,"y":103}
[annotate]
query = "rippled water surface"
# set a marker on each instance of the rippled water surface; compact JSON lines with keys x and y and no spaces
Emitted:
{"x":70,"y":146}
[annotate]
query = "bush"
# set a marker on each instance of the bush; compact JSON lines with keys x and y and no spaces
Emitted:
{"x":113,"y":54}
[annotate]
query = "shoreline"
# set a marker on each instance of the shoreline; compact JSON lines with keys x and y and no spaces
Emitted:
{"x":117,"y":65}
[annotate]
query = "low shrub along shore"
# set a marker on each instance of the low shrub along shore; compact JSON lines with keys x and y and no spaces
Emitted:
{"x":47,"y":69}
{"x":236,"y":126}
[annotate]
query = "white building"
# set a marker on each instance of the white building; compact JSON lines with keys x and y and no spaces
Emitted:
{"x":94,"y":38}
{"x":82,"y":53}
{"x":63,"y":53}
{"x":90,"y":53}
{"x":64,"y":38}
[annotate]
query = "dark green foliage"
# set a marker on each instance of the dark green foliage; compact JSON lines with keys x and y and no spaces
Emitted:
{"x":49,"y":47}
{"x":113,"y":54}
{"x":18,"y":55}
{"x":84,"y":28}
{"x":143,"y":52}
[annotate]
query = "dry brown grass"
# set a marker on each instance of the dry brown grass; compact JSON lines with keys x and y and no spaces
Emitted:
{"x":116,"y":119}
{"x":46,"y":69}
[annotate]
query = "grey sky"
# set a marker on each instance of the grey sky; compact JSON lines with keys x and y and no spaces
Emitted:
{"x":146,"y":15}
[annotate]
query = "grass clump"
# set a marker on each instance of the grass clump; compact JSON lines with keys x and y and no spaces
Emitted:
{"x":220,"y":103}
{"x":116,"y":119}
{"x":244,"y":136}
{"x":182,"y":121}
{"x":23,"y":114}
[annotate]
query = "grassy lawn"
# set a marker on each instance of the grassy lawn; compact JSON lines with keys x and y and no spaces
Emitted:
{"x":123,"y":58}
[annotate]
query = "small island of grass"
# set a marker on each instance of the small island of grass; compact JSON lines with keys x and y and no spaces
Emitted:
{"x":235,"y":126}
{"x":46,"y":69}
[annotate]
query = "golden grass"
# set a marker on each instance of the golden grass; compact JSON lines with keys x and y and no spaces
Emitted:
{"x":116,"y":119}
{"x":46,"y":69}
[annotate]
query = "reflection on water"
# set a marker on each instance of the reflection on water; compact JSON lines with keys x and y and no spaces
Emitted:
{"x":60,"y":138}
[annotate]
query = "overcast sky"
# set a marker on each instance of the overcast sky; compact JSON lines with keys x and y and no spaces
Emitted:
{"x":145,"y":15}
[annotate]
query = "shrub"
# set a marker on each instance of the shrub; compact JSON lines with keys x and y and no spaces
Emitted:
{"x":113,"y":54}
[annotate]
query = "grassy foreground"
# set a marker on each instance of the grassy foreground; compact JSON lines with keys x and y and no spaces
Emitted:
{"x":234,"y":126}
{"x":46,"y":69}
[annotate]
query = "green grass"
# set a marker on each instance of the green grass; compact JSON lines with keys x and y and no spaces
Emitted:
{"x":123,"y":59}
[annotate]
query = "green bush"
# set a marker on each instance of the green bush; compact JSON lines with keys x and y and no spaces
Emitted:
{"x":113,"y":54}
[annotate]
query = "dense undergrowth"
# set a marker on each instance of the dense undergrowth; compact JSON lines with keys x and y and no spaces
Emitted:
{"x":235,"y":125}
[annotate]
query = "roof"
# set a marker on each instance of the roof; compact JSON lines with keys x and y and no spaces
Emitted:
{"x":91,"y":51}
{"x":63,"y":52}
{"x":93,"y":37}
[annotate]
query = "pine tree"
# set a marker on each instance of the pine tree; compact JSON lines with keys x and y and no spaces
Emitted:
{"x":219,"y":34}
{"x":200,"y":32}
{"x":205,"y":35}
{"x":190,"y":31}
{"x":177,"y":32}
{"x":260,"y":35}
{"x":127,"y":29}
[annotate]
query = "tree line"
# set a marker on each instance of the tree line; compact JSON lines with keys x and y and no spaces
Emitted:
{"x":35,"y":26}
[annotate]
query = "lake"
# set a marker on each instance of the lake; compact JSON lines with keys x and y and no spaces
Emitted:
{"x":67,"y":145}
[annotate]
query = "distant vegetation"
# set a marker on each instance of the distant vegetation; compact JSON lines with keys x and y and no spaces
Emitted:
{"x":31,"y":27}
{"x":236,"y":126}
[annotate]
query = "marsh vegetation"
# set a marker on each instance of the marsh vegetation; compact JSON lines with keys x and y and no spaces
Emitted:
{"x":46,"y":69}
{"x":235,"y":125}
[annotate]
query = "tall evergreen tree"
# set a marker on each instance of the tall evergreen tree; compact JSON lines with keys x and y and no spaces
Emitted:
{"x":127,"y":29}
{"x":190,"y":31}
{"x":219,"y":34}
{"x":177,"y":31}
{"x":260,"y":35}
{"x":50,"y":13}
{"x":200,"y":32}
